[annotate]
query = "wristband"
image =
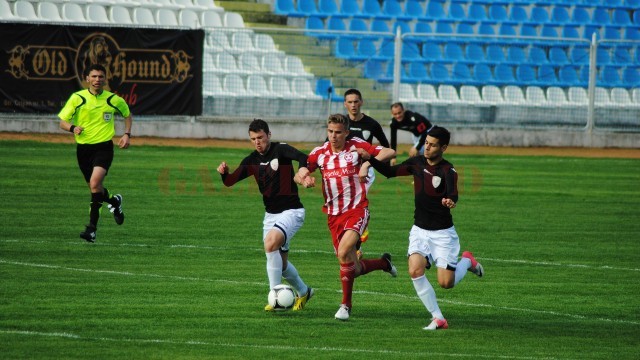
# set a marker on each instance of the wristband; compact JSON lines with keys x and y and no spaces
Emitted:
{"x":73,"y":127}
{"x":128,"y":134}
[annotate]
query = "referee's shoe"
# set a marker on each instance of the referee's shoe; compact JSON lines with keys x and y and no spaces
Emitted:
{"x":89,"y":233}
{"x":117,"y":212}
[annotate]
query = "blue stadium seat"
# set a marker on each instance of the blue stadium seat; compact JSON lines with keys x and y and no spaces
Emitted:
{"x":560,"y":15}
{"x":466,"y":29}
{"x":328,"y":7}
{"x":413,"y":9}
{"x":336,"y":23}
{"x":431,"y":51}
{"x":350,"y":8}
{"x":547,"y":75}
{"x":379,"y":25}
{"x":526,"y":75}
{"x":374,"y":69}
{"x":589,"y":30}
{"x":461,"y":74}
{"x":486,"y":29}
{"x":558,"y":56}
{"x":601,"y":16}
{"x":482,"y":74}
{"x":418,"y":71}
{"x":474,"y":53}
{"x":518,"y":14}
{"x":456,"y":12}
{"x":453,"y":52}
{"x":507,"y":30}
{"x":612,"y":33}
{"x":393,"y":9}
{"x":583,"y":75}
{"x":477,"y":12}
{"x":580,"y":55}
{"x":443,"y":27}
{"x":423,"y":27}
{"x":580,"y":16}
{"x":358,"y":24}
{"x":284,"y":7}
{"x":621,"y":55}
{"x":404,"y":26}
{"x":603,"y":56}
{"x":528,"y":30}
{"x":621,"y":17}
{"x":307,"y":7}
{"x":366,"y":48}
{"x":325,"y":88}
{"x":387,"y":49}
{"x":440,"y":73}
{"x":609,"y":76}
{"x":372,"y":8}
{"x":495,"y":54}
{"x":504,"y":74}
{"x":636,"y":17}
{"x":314,"y":23}
{"x":515,"y":55}
{"x":344,"y":48}
{"x":497,"y":12}
{"x":539,"y":15}
{"x":410,"y":51}
{"x":631,"y":77}
{"x":632,"y":33}
{"x":570,"y":32}
{"x":537,"y":55}
{"x":435,"y":11}
{"x":568,"y":76}
{"x":549,"y":31}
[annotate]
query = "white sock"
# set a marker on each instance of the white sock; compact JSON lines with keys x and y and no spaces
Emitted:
{"x":293,"y":278}
{"x":428,"y":296}
{"x":274,"y":268}
{"x":461,"y":270}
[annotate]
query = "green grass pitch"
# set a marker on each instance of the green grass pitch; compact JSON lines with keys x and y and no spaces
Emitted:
{"x":184,"y":277}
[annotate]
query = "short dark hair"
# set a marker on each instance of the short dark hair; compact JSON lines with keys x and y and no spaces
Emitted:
{"x":397,"y":104}
{"x":443,"y":135}
{"x":259,"y":124}
{"x":339,"y":119}
{"x":96,"y":67}
{"x":352,"y":92}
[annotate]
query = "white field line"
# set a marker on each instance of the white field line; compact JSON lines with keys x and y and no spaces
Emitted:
{"x":296,"y":349}
{"x":235,"y":282}
{"x":218,"y":248}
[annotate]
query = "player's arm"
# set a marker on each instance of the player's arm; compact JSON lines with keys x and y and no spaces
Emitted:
{"x":125,"y":140}
{"x":241,"y":173}
{"x":378,"y":133}
{"x":451,"y":193}
{"x":67,"y":113}
{"x":385,"y":154}
{"x":387,"y":170}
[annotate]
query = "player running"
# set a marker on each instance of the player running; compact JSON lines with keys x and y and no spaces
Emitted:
{"x":433,"y":238}
{"x":271,"y":165}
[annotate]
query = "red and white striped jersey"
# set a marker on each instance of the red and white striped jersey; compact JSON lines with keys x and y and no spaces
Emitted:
{"x":341,"y":185}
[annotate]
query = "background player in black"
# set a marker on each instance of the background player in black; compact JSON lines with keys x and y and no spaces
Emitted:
{"x":413,"y":122}
{"x":271,"y":164}
{"x":433,"y":238}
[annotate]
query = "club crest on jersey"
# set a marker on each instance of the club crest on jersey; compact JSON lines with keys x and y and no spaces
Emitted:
{"x":107,"y":117}
{"x":436,"y":180}
{"x":274,"y":164}
{"x":366,"y":134}
{"x":348,"y":156}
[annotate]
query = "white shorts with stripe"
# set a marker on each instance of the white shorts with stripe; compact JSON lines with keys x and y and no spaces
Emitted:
{"x":287,"y":222}
{"x":441,"y":247}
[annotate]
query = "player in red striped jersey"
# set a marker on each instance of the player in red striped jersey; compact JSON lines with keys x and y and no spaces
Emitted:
{"x":344,"y":177}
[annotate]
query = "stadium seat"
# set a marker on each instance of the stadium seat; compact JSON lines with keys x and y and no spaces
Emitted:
{"x":636,"y":18}
{"x":211,"y":84}
{"x":143,"y":16}
{"x":621,"y":17}
{"x":578,"y":96}
{"x":263,"y":43}
{"x":366,"y":49}
{"x":190,"y":5}
{"x":284,"y":7}
{"x":435,"y":11}
{"x":482,"y":74}
{"x":528,"y":30}
{"x":456,"y":12}
{"x":371,"y":8}
{"x":560,"y":15}
{"x":470,"y":94}
{"x":631,"y":76}
{"x":210,"y":19}
{"x":570,"y":32}
{"x":465,"y":29}
{"x":632,"y":33}
{"x":404,"y":27}
{"x":96,"y":13}
{"x":248,"y":63}
{"x":6,"y":13}
{"x":518,"y":14}
{"x":307,"y":7}
{"x":547,"y":75}
{"x":350,"y":8}
{"x":410,"y":51}
{"x":461,"y":73}
{"x":279,"y":87}
{"x":357,"y":24}
{"x":316,"y":25}
{"x":417,"y":71}
{"x":486,"y":29}
{"x":271,"y":64}
{"x":495,"y":54}
{"x":556,"y":96}
{"x":326,"y":90}
{"x":439,"y":72}
{"x":241,"y":42}
{"x":257,"y":86}
{"x":477,"y":12}
{"x":609,"y":77}
{"x":513,"y":95}
{"x":539,"y":15}
{"x":234,"y":85}
{"x":612,"y":33}
{"x":580,"y":55}
{"x":413,"y":9}
{"x":218,"y":41}
{"x":427,"y":93}
{"x":525,"y":74}
{"x":120,"y":15}
{"x":423,"y":27}
{"x":506,"y":30}
{"x":328,"y":7}
{"x":380,"y":26}
{"x":602,"y":56}
{"x":25,"y":10}
{"x":232,"y":20}
{"x":474,"y":53}
{"x":448,"y":94}
{"x":166,"y":17}
{"x":620,"y":97}
{"x":393,"y":9}
{"x":48,"y":11}
{"x":580,"y":16}
{"x":387,"y":49}
{"x":602,"y":96}
{"x":443,"y":27}
{"x":601,"y":16}
{"x":302,"y":88}
{"x":491,"y":94}
{"x":583,"y":75}
{"x":497,"y":12}
{"x":189,"y":18}
{"x":558,"y":56}
{"x":537,"y":55}
{"x":344,"y":48}
{"x":534,"y":95}
{"x":374,"y":69}
{"x":225,"y":63}
{"x":453,"y":52}
{"x":73,"y":12}
{"x":568,"y":76}
{"x":549,"y":31}
{"x":406,"y":93}
{"x":589,"y":30}
{"x":432,"y":51}
{"x":621,"y":55}
{"x":293,"y":65}
{"x":635,"y":96}
{"x":335,"y":24}
{"x":515,"y":55}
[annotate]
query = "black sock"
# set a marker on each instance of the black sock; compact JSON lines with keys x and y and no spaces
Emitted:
{"x":94,"y":213}
{"x":108,"y":198}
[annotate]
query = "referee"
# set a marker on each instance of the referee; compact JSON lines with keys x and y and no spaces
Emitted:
{"x":90,"y":115}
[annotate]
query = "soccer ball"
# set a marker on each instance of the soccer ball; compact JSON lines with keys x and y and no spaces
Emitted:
{"x":282,"y":297}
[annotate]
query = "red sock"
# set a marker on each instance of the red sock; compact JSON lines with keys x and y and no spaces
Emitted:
{"x":347,"y":275}
{"x":369,"y":265}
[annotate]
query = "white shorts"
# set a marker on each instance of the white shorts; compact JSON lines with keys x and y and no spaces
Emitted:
{"x":287,"y":222}
{"x":441,"y":247}
{"x":418,"y":144}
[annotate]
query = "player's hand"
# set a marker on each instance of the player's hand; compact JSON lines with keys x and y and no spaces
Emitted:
{"x":364,"y":155}
{"x":223,"y":168}
{"x":413,"y":152}
{"x":309,"y":181}
{"x":448,"y":203}
{"x":392,"y":162}
{"x":124,"y":141}
{"x":364,"y":173}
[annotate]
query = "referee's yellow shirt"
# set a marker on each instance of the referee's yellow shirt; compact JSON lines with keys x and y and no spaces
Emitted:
{"x":95,"y":114}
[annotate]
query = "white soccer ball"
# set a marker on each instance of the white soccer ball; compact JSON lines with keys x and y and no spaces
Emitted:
{"x":282,"y":297}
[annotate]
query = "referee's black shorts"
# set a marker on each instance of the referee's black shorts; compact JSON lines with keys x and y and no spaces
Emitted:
{"x":92,"y":155}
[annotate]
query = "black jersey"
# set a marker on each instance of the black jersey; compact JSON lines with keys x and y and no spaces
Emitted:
{"x":274,"y":173}
{"x":417,"y":124}
{"x":431,"y":184}
{"x":366,"y":129}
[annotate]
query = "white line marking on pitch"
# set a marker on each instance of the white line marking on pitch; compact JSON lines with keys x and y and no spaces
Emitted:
{"x":182,"y":278}
{"x":297,"y":349}
{"x":218,"y":248}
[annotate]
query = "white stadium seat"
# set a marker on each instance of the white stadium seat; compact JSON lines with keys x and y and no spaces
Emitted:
{"x":225,"y":63}
{"x":210,"y":19}
{"x":120,"y":15}
{"x":73,"y":12}
{"x":25,"y":10}
{"x":232,"y":20}
{"x":448,"y":94}
{"x":535,"y":96}
{"x":556,"y":96}
{"x":427,"y":93}
{"x":143,"y":16}
{"x":49,"y":11}
{"x":620,"y":97}
{"x":5,"y":11}
{"x":513,"y":95}
{"x":470,"y":94}
{"x":97,"y":14}
{"x":293,"y":66}
{"x":166,"y":17}
{"x":279,"y":87}
{"x":257,"y":86}
{"x":218,"y":41}
{"x":233,"y":84}
{"x":578,"y":96}
{"x":189,"y":18}
{"x":491,"y":94}
{"x":602,"y":97}
{"x":248,"y":63}
{"x":241,"y":42}
{"x":406,"y":93}
{"x":271,"y":64}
